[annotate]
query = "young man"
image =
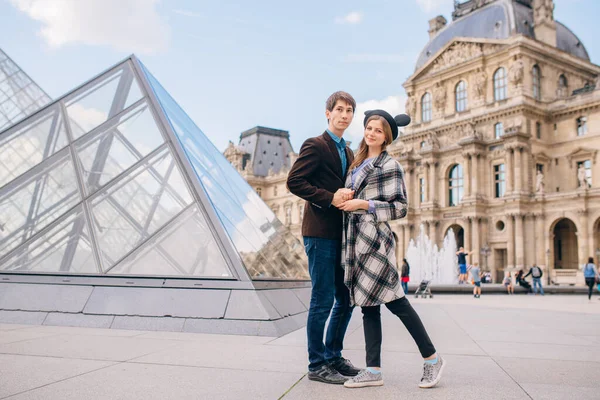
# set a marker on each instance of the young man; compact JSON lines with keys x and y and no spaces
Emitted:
{"x":536,"y":273}
{"x":318,"y":176}
{"x":476,"y":274}
{"x":462,"y":264}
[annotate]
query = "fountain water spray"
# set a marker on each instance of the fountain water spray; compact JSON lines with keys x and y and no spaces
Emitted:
{"x":427,"y":262}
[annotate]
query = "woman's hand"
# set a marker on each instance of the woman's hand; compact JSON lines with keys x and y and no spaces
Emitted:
{"x":353,"y":205}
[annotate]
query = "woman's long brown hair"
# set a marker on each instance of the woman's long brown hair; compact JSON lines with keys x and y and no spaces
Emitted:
{"x":363,"y":149}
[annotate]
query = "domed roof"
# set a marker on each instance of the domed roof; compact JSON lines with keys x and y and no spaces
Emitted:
{"x":499,"y":20}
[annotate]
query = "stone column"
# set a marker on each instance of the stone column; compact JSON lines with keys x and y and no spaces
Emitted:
{"x":410,"y":183}
{"x":519,"y":241}
{"x":432,"y":184}
{"x":540,"y":240}
{"x":476,"y":257}
{"x":582,"y":237}
{"x":510,"y":242}
{"x":518,"y":168}
{"x":527,"y":172}
{"x":468,"y":242}
{"x":468,"y":171}
{"x":433,"y":231}
{"x":475,"y":165}
{"x":401,"y":240}
{"x":534,"y":254}
{"x":509,"y":171}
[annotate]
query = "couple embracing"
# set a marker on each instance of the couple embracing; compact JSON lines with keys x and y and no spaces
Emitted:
{"x":349,"y":243}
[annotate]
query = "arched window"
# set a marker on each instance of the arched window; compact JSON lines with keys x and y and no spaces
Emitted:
{"x":498,"y":130}
{"x":581,"y":126}
{"x":461,"y":96}
{"x":500,"y":84}
{"x":563,"y":86}
{"x":537,"y":82}
{"x":426,"y":107}
{"x":455,"y":185}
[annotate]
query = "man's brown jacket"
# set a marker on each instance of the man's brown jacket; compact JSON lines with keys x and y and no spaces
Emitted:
{"x":315,"y":177}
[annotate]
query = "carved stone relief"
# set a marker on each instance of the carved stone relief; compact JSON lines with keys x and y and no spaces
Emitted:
{"x":480,"y":84}
{"x":411,"y":106}
{"x":516,"y":71}
{"x":460,"y":53}
{"x":440,"y":96}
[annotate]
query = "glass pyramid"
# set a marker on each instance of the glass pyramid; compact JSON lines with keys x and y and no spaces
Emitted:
{"x":116,"y":179}
{"x":19,"y":95}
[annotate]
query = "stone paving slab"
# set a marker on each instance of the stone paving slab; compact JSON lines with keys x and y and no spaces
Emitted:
{"x":464,"y":379}
{"x":145,"y":381}
{"x":107,"y":348}
{"x":22,"y":373}
{"x":494,"y":351}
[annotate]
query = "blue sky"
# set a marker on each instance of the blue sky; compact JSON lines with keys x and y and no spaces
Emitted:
{"x":233,"y":65}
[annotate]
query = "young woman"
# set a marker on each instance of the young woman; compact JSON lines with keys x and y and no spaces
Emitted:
{"x":368,"y":248}
{"x":510,"y":289}
{"x":590,"y":273}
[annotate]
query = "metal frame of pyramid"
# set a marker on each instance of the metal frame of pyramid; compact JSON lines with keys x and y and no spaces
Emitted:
{"x":20,"y":96}
{"x":135,"y":195}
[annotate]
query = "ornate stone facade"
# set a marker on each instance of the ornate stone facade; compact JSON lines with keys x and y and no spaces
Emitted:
{"x":520,"y":193}
{"x":529,"y":183}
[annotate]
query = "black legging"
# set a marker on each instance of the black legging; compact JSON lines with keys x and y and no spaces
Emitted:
{"x":590,"y":282}
{"x":409,"y":317}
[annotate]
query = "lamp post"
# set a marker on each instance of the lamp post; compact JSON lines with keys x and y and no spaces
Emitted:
{"x":548,"y":265}
{"x":485,"y":252}
{"x":598,"y":256}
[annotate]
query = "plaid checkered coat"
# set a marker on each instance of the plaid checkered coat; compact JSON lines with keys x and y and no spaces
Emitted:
{"x":368,"y":248}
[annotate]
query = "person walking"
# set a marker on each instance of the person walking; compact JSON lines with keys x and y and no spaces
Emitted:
{"x":405,"y":275}
{"x":318,"y":177}
{"x":476,"y":275}
{"x":536,"y":274}
{"x":462,"y":264}
{"x":369,"y":253}
{"x":590,"y":273}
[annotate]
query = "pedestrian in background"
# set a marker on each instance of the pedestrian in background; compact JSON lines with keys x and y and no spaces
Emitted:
{"x":590,"y":273}
{"x":405,"y":275}
{"x":536,"y":274}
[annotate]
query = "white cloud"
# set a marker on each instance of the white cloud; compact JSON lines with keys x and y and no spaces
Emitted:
{"x":432,"y":5}
{"x":355,"y":17}
{"x":392,"y":104}
{"x":187,"y":13}
{"x":126,"y":25}
{"x":375,"y":58}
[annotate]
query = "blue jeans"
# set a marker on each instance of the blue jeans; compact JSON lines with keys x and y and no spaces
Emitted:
{"x":405,"y":287}
{"x":327,"y":277}
{"x":537,"y":282}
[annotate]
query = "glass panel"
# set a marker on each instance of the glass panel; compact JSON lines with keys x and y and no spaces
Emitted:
{"x":131,"y":211}
{"x":102,"y":100}
{"x":111,"y":151}
{"x":16,"y":89}
{"x":65,"y":248}
{"x":162,"y":254}
{"x":31,"y":142}
{"x":38,"y":201}
{"x":250,"y":224}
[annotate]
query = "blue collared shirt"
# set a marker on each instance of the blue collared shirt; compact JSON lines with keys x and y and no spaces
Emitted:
{"x":340,"y":144}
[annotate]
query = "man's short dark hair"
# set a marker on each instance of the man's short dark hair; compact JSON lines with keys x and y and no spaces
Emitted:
{"x":344,"y":96}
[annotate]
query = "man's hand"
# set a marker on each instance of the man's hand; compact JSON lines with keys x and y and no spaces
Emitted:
{"x":342,"y":195}
{"x":353,"y":205}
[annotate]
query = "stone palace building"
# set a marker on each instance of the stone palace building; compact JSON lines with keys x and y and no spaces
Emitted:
{"x":503,"y":147}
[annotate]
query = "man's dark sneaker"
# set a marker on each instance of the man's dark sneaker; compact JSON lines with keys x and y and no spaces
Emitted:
{"x":326,"y":374}
{"x":344,"y":367}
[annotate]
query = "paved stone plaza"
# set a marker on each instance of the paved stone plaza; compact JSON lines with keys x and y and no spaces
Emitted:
{"x":497,"y":347}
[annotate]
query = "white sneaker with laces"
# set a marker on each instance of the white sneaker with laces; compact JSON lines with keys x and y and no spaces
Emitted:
{"x":432,"y":373}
